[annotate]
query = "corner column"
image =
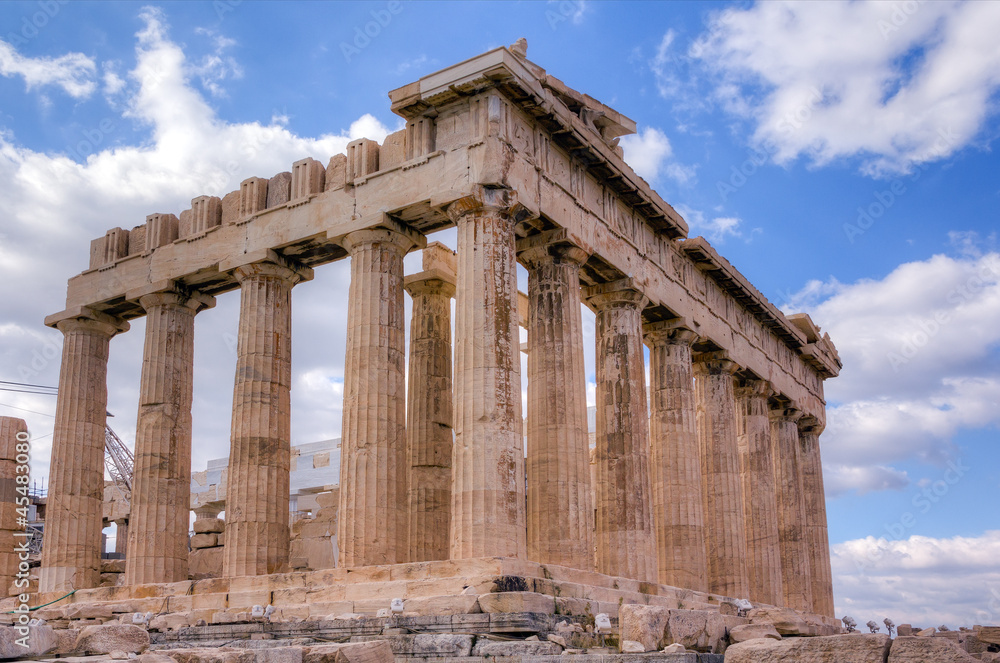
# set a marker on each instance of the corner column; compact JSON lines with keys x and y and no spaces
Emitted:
{"x":260,"y":447}
{"x":725,"y":530}
{"x":626,"y":544}
{"x":817,"y":536}
{"x":429,"y":406}
{"x":488,"y":490}
{"x":157,"y":529}
{"x":760,"y":506}
{"x":796,"y":575}
{"x":372,"y":517}
{"x":71,"y":558}
{"x":560,"y":505}
{"x":675,"y":462}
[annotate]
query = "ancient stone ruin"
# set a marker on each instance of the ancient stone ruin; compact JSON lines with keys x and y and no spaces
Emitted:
{"x":706,"y":491}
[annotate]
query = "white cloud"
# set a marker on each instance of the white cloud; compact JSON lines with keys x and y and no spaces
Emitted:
{"x":716,"y":229}
{"x":73,"y":72}
{"x":54,"y":204}
{"x":649,"y":153}
{"x":920,"y":580}
{"x":842,"y":79}
{"x":919,"y":349}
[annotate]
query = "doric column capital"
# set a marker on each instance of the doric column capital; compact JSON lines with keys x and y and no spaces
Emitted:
{"x":787,"y":412}
{"x":754,"y":388}
{"x":549,"y":246}
{"x":387,"y":232}
{"x":615,"y":294}
{"x":170,"y":292}
{"x":669,"y":332}
{"x":430,"y":282}
{"x":714,"y":363}
{"x":484,"y":199}
{"x":85,"y":319}
{"x":810,"y":425}
{"x":274,"y":265}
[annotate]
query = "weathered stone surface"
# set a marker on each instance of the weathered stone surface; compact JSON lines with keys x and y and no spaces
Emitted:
{"x":796,"y":577}
{"x":497,"y":648}
{"x":39,"y":639}
{"x":65,"y":641}
{"x":153,"y":657}
{"x":817,"y":536}
{"x":699,"y":630}
{"x":633,"y":647}
{"x":848,"y":648}
{"x":645,"y":624}
{"x":443,"y":605}
{"x":375,"y":651}
{"x":789,"y":622}
{"x":220,"y":655}
{"x":279,"y":655}
{"x":170,"y":621}
{"x":206,"y":540}
{"x":107,"y":638}
{"x":517,"y":602}
{"x":990,"y":634}
{"x":205,"y":563}
{"x":209,"y":525}
{"x":914,"y":649}
{"x":746,"y":632}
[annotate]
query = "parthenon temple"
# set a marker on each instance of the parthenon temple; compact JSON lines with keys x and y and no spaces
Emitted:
{"x":705,"y":484}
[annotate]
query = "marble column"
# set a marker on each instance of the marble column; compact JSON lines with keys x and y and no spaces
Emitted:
{"x":429,"y":434}
{"x":560,"y":506}
{"x":796,"y":575}
{"x":626,"y":543}
{"x":157,"y":549}
{"x":817,"y":537}
{"x":121,"y":535}
{"x":71,"y":558}
{"x":488,"y":482}
{"x":372,"y":517}
{"x":260,"y":446}
{"x":760,"y":506}
{"x":725,"y":531}
{"x":675,"y":463}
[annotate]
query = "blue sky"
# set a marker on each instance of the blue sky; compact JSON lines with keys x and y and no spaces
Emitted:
{"x":838,"y":154}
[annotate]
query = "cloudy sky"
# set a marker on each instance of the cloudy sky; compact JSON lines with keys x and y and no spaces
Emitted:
{"x":839,"y":155}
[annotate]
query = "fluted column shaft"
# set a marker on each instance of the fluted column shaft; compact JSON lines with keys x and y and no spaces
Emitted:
{"x":488,"y":489}
{"x":795,"y":569}
{"x":429,"y":418}
{"x":725,"y":532}
{"x":760,"y":506}
{"x":626,"y":543}
{"x":157,"y":549}
{"x":372,"y":520}
{"x":560,"y":505}
{"x":71,"y":558}
{"x":260,"y":446}
{"x":675,"y":464}
{"x":817,"y":536}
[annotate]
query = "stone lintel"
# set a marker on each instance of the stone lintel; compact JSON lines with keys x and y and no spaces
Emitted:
{"x":266,"y":256}
{"x":194,"y":299}
{"x":87,"y":313}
